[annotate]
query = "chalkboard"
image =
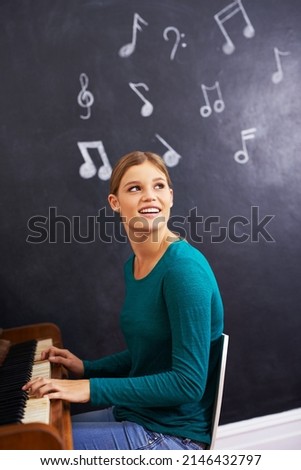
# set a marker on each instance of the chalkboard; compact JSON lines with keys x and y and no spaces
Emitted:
{"x":213,"y":87}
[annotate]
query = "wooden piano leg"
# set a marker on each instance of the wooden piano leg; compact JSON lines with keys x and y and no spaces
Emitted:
{"x":38,"y":436}
{"x":31,"y":436}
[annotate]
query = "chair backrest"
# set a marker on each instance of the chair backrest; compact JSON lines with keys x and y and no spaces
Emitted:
{"x":219,"y":389}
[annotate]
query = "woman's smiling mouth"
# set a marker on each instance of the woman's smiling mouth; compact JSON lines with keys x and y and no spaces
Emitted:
{"x":149,"y":210}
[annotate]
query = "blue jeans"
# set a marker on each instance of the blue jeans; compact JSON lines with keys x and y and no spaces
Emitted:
{"x":98,"y":430}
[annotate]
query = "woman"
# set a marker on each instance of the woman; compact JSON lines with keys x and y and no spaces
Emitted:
{"x":159,"y":392}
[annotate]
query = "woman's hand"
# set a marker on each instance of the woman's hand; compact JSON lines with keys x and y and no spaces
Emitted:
{"x":76,"y":391}
{"x":62,"y":356}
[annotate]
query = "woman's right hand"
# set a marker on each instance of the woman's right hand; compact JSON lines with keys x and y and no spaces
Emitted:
{"x":62,"y":356}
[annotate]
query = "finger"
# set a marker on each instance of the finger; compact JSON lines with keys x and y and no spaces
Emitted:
{"x":29,"y":384}
{"x":34,"y":385}
{"x":41,"y":388}
{"x":58,"y":360}
{"x":43,"y":391}
{"x":52,"y":351}
{"x":46,"y":352}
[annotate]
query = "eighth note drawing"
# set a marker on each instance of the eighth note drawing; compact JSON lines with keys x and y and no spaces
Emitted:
{"x":85,"y":98}
{"x":147,"y":108}
{"x":88,"y":168}
{"x":224,"y":15}
{"x":242,"y":156}
{"x":218,"y":104}
{"x":128,"y":49}
{"x":277,"y":76}
{"x":179,"y":36}
{"x":170,"y":157}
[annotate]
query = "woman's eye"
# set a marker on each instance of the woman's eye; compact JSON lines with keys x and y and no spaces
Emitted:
{"x":133,"y":189}
{"x":160,"y":186}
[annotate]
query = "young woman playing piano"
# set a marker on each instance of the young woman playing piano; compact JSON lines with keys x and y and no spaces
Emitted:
{"x":159,"y":392}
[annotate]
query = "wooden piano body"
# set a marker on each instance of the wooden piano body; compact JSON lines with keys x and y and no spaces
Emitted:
{"x":34,"y":436}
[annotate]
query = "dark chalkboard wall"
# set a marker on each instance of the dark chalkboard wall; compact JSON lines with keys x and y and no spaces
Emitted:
{"x":197,"y":82}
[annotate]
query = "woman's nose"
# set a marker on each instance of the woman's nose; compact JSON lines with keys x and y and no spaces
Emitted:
{"x":148,"y":195}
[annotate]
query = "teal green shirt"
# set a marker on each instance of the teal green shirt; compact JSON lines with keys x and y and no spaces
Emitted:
{"x":172,"y":321}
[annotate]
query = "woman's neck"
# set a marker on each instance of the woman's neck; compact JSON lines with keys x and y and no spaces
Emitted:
{"x":149,"y":250}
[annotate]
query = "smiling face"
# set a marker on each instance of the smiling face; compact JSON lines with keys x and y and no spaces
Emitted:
{"x":143,"y":200}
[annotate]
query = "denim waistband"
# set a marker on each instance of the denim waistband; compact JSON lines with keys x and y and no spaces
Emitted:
{"x":201,"y":445}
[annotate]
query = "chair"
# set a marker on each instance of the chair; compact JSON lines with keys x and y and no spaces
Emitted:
{"x":219,"y":390}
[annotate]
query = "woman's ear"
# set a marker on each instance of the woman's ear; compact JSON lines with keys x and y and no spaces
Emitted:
{"x":171,"y":197}
{"x":114,"y":203}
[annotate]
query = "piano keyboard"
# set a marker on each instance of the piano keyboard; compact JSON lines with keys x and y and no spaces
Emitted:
{"x":22,"y":363}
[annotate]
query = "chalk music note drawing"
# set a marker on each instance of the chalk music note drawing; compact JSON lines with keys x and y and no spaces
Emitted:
{"x":128,"y":49}
{"x":179,"y":36}
{"x":242,"y":156}
{"x":147,"y":108}
{"x":218,"y":104}
{"x":224,"y":15}
{"x":85,"y":98}
{"x":170,"y":157}
{"x":88,"y":168}
{"x":277,"y":76}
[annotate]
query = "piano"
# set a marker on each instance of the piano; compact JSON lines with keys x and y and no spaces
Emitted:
{"x":46,"y":424}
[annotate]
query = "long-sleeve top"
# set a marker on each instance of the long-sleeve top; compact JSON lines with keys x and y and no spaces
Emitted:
{"x":172,"y":321}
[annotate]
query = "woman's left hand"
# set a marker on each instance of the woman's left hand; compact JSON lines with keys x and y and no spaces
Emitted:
{"x":76,"y":391}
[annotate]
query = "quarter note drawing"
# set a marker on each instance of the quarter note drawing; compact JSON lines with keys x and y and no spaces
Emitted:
{"x":128,"y":49}
{"x":170,"y":157}
{"x":242,"y":156}
{"x":224,"y":15}
{"x":277,"y":76}
{"x":85,"y":98}
{"x":179,"y":36}
{"x":88,"y":168}
{"x":147,"y":108}
{"x":218,"y":104}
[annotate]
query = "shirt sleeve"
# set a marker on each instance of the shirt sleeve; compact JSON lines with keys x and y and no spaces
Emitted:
{"x":115,"y":365}
{"x":187,"y":291}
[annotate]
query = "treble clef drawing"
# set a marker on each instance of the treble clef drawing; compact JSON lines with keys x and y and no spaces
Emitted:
{"x":85,"y":98}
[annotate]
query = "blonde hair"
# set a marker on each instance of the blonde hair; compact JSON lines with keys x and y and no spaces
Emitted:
{"x":135,"y":158}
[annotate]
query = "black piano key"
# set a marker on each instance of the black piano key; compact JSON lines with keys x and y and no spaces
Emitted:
{"x":13,"y":418}
{"x":14,"y":395}
{"x":13,"y":411}
{"x":15,"y":382}
{"x":15,"y":371}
